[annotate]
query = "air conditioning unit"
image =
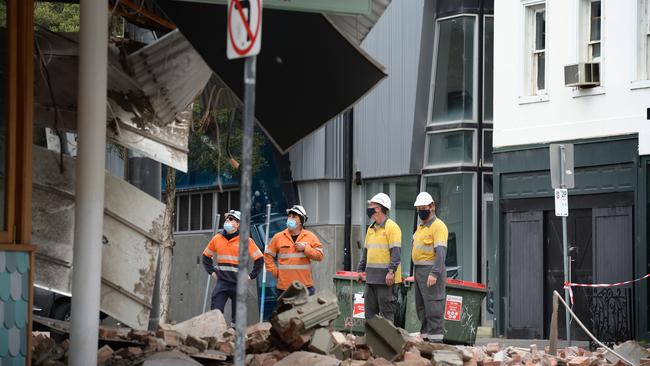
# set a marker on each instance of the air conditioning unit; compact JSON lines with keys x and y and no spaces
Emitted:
{"x":582,"y":75}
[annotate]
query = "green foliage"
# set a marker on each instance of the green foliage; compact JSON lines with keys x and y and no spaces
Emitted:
{"x":208,"y":139}
{"x":57,"y":17}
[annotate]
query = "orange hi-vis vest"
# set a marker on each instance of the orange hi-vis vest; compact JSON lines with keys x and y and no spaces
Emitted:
{"x":227,"y":252}
{"x":292,"y":264}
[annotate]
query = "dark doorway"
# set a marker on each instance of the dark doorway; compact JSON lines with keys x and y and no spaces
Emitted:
{"x":579,"y":239}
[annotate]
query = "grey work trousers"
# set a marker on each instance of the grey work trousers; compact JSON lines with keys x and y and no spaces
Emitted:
{"x":380,"y":299}
{"x":429,"y":304}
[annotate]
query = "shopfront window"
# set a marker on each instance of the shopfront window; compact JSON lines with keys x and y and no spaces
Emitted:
{"x":454,"y":92}
{"x":455,"y":195}
{"x":488,"y":69}
{"x":402,"y":192}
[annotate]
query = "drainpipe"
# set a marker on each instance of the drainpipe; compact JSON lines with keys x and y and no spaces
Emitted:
{"x":89,"y":210}
{"x":348,"y":137}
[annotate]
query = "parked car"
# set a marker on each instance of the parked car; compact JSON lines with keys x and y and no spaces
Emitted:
{"x":53,"y":305}
{"x":277,"y":223}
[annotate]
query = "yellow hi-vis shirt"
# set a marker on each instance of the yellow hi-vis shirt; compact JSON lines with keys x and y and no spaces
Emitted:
{"x":425,"y":239}
{"x":379,"y":240}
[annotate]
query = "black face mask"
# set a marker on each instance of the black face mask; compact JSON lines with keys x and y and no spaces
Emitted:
{"x":370,"y":211}
{"x":424,"y":214}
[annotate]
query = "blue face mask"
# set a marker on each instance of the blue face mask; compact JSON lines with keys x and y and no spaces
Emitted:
{"x":228,"y":227}
{"x":291,"y":224}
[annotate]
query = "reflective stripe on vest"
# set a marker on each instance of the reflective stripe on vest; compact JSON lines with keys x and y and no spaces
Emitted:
{"x":292,"y":255}
{"x":228,"y":258}
{"x":424,"y":248}
{"x":294,"y":266}
{"x":423,"y":263}
{"x":378,"y":265}
{"x":226,"y":268}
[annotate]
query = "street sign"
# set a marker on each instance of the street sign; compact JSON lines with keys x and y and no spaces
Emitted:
{"x":561,"y":202}
{"x":244,"y":28}
{"x":351,"y":7}
{"x":555,"y":151}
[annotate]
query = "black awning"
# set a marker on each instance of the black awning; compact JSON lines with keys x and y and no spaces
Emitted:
{"x":307,"y":72}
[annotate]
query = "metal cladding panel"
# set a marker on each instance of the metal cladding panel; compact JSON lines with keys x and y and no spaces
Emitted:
{"x":307,"y":71}
{"x":319,"y":155}
{"x":131,"y":236}
{"x":384,"y":119}
{"x":357,"y":27}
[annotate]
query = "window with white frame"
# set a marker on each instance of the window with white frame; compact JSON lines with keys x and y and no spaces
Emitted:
{"x":535,"y":49}
{"x":643,"y":39}
{"x":195,"y":212}
{"x":591,"y":23}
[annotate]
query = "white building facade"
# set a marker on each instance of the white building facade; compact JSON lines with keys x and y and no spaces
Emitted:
{"x":605,"y":116}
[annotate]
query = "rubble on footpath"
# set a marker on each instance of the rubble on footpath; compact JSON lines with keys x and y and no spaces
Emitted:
{"x":300,"y":333}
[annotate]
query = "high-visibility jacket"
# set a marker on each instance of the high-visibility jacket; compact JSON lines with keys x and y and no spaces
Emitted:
{"x":227,"y":252}
{"x":292,"y":264}
{"x":426,"y":238}
{"x":382,"y":251}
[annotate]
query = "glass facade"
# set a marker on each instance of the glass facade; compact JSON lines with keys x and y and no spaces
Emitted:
{"x":402,"y":192}
{"x":455,"y":205}
{"x":451,"y":147}
{"x":458,"y":158}
{"x":454,"y":95}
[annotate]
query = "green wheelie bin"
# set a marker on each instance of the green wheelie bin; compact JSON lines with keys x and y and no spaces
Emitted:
{"x":462,"y":310}
{"x":349,"y":294}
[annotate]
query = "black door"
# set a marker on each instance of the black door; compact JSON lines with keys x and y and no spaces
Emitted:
{"x":579,"y":239}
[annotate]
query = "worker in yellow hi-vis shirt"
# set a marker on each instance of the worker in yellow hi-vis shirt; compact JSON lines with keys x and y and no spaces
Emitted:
{"x":380,"y":260}
{"x":429,"y":251}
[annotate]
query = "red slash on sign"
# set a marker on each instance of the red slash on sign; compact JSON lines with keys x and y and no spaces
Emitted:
{"x":244,"y":28}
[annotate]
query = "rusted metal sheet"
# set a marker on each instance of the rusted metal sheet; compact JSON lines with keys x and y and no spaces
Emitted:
{"x":132,"y":234}
{"x":150,"y":91}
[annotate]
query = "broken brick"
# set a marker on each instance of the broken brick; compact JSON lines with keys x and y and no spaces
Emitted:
{"x":139,"y":335}
{"x":257,"y":337}
{"x":378,"y":362}
{"x":361,"y":354}
{"x":103,"y":354}
{"x":644,"y":362}
{"x":108,"y":333}
{"x":171,"y":337}
{"x":130,"y":353}
{"x":492,"y":348}
{"x":156,"y":344}
{"x":579,"y":361}
{"x":197,"y":343}
{"x":227,"y":347}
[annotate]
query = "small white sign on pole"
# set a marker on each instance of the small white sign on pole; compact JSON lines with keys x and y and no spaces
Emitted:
{"x":244,"y":28}
{"x":561,"y":202}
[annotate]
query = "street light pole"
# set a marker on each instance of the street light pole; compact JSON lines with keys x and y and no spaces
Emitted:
{"x":245,"y":205}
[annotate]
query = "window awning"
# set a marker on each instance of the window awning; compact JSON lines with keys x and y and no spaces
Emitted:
{"x":307,"y":71}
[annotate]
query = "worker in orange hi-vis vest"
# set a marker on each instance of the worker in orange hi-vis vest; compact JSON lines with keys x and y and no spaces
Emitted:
{"x":295,"y":248}
{"x":225,"y":246}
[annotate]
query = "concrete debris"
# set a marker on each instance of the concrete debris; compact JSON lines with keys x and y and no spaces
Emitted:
{"x":385,"y":339}
{"x":300,"y":334}
{"x":631,"y":350}
{"x":170,"y":358}
{"x":298,"y":316}
{"x":208,"y":324}
{"x":308,"y":358}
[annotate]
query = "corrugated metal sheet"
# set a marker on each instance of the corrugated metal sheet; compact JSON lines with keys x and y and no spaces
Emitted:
{"x":384,"y":119}
{"x":356,"y":28}
{"x":320,"y":155}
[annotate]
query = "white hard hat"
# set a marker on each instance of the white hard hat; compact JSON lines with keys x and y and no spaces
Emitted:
{"x":382,"y":199}
{"x":423,"y":199}
{"x":234,"y":213}
{"x":300,"y":211}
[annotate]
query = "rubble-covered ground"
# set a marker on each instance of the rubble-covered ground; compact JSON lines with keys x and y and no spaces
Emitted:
{"x":300,"y":333}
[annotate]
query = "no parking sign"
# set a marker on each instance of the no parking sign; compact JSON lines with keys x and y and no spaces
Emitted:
{"x":244,"y":28}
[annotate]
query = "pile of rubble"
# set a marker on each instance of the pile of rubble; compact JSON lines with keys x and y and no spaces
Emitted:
{"x":300,"y":334}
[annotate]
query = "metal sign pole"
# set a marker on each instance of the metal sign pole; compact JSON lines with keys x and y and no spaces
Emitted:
{"x":245,"y":204}
{"x":565,"y":246}
{"x":266,"y":242}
